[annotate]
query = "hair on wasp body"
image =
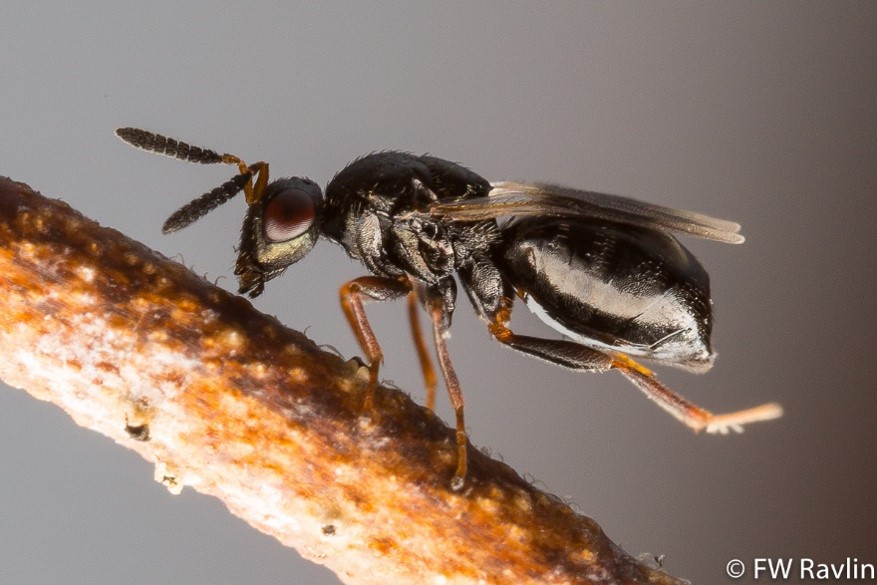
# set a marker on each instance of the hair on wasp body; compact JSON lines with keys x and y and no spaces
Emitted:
{"x":605,"y":271}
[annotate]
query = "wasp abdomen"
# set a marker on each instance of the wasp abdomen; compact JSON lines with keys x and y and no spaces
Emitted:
{"x":633,"y":290}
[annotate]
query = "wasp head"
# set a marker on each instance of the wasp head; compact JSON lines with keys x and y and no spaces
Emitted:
{"x":278,"y":230}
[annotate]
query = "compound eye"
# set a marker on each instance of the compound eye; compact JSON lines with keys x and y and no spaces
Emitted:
{"x":287,"y":215}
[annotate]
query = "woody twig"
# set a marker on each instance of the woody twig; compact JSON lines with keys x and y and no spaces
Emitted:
{"x":230,"y":402}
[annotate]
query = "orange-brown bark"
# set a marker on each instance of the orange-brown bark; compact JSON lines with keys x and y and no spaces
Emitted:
{"x":230,"y":402}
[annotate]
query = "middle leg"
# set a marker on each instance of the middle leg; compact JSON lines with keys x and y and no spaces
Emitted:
{"x":429,"y":378}
{"x":440,"y":317}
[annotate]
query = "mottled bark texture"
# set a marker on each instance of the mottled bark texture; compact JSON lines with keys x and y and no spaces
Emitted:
{"x":230,"y":402}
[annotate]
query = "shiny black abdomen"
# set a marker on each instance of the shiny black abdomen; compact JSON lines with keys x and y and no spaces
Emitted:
{"x":612,"y":286}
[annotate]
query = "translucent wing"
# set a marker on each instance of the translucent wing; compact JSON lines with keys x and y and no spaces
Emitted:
{"x":508,"y":198}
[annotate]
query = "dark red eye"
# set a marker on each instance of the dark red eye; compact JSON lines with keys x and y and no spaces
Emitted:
{"x":289,"y":214}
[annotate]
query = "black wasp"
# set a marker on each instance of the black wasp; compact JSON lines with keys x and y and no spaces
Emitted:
{"x":602,"y":270}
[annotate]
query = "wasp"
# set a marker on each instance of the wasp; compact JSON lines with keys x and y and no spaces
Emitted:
{"x":605,"y":271}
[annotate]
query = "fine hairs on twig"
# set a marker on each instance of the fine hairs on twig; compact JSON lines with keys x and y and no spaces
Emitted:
{"x":230,"y":402}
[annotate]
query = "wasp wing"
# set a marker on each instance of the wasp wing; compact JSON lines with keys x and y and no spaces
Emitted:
{"x":508,"y":198}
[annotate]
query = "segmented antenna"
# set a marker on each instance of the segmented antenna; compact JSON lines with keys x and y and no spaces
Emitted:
{"x":159,"y":144}
{"x":206,"y":203}
{"x":198,"y":208}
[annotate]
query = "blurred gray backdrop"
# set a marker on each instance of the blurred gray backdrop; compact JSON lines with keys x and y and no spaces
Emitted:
{"x":758,"y":112}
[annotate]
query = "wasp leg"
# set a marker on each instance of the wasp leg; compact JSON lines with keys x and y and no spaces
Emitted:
{"x":426,"y":367}
{"x":579,"y":357}
{"x":374,"y":288}
{"x":557,"y":351}
{"x":440,"y":322}
{"x":688,"y":413}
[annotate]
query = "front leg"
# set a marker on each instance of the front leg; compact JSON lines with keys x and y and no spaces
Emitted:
{"x":372,"y":288}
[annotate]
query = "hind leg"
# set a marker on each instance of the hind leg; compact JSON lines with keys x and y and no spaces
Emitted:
{"x":580,"y":357}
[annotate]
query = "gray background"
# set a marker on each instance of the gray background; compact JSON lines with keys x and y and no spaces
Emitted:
{"x":759,"y":112}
